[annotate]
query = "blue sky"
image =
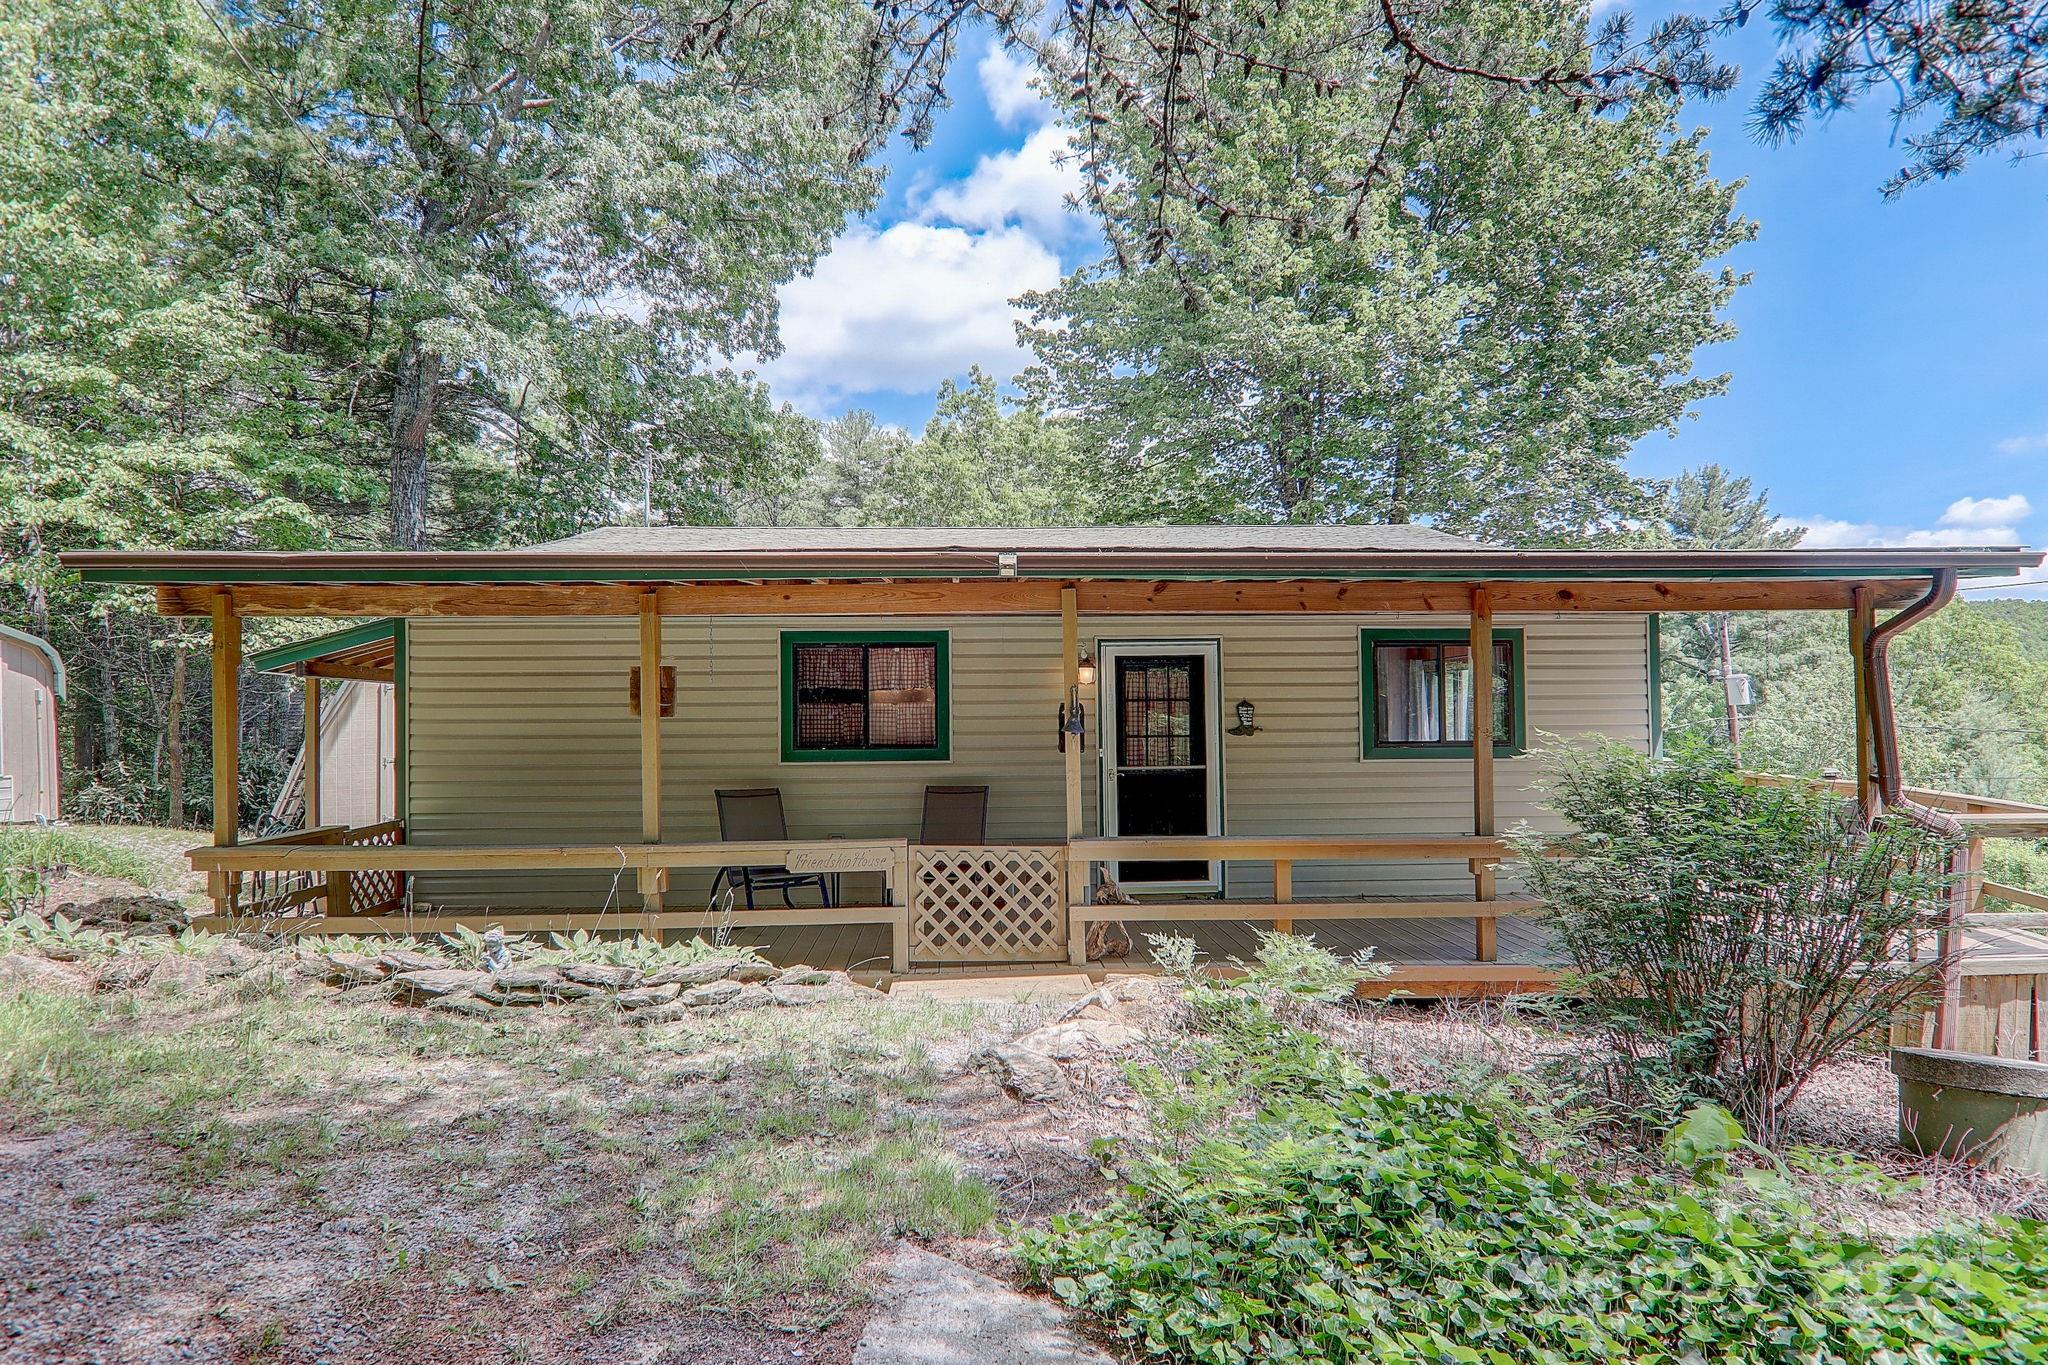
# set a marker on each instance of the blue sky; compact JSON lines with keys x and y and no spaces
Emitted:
{"x":1890,"y":376}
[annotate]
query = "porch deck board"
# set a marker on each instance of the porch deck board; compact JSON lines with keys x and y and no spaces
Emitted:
{"x":865,"y":947}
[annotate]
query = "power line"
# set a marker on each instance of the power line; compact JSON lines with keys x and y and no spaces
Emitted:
{"x":1988,"y":587}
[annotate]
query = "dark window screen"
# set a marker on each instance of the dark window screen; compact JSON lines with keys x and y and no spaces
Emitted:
{"x":1162,"y":706}
{"x":856,"y":696}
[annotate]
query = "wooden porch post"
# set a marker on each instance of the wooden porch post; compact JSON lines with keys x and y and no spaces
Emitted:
{"x":227,"y":797}
{"x":652,"y":879}
{"x":1862,"y":615}
{"x":1483,"y":869}
{"x":309,"y":771}
{"x":1070,"y":682}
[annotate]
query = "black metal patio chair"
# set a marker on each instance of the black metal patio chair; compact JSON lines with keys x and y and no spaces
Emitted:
{"x":755,"y":813}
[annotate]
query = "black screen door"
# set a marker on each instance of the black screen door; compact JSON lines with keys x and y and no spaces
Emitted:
{"x":1159,"y":763}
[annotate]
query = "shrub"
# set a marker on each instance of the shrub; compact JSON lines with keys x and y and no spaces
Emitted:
{"x":1351,"y":1221}
{"x":1728,"y":938}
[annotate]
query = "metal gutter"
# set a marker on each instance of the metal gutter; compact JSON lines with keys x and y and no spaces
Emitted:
{"x":488,"y":566}
{"x":1884,"y":730}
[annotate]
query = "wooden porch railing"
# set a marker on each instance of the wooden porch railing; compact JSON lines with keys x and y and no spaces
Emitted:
{"x":1481,"y":854}
{"x":273,"y":891}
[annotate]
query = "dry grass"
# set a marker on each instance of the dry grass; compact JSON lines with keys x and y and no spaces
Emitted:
{"x":557,"y":1184}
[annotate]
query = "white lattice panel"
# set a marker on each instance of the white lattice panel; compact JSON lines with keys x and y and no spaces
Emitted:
{"x":990,"y":903}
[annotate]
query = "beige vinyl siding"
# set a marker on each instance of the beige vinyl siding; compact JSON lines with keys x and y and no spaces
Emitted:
{"x":519,"y":731}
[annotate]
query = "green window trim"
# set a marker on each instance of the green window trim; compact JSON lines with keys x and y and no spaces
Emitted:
{"x":942,"y":695}
{"x":1509,"y":746}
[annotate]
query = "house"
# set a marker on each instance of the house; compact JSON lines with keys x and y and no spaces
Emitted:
{"x":31,"y":686}
{"x":1238,"y":725}
{"x":346,"y":769}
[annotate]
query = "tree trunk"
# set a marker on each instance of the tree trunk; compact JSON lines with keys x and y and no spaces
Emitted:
{"x":174,"y":724}
{"x":1728,"y":692}
{"x":412,"y":417}
{"x":1403,"y":484}
{"x":110,"y":708}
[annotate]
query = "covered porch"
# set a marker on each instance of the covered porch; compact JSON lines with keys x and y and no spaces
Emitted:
{"x":1026,"y":902}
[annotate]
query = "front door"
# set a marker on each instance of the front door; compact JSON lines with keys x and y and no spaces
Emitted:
{"x":1161,"y":757}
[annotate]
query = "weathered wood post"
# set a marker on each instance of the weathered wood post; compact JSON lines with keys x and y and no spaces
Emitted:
{"x":653,"y":880}
{"x":309,"y":771}
{"x":227,"y":795}
{"x":1484,"y":948}
{"x":1862,"y":615}
{"x":1075,"y":879}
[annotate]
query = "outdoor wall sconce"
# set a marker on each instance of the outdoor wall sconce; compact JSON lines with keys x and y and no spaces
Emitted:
{"x":1245,"y":720}
{"x":1073,"y":715}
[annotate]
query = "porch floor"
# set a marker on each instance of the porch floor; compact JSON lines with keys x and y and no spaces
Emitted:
{"x":1420,"y":951}
{"x":1428,"y":956}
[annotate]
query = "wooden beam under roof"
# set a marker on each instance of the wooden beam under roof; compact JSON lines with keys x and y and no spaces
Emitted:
{"x":1021,"y":597}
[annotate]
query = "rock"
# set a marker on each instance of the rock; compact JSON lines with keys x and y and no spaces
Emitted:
{"x":932,"y":1311}
{"x":647,"y":996}
{"x":128,"y":912}
{"x":1071,"y":1038}
{"x":462,"y":1002}
{"x":1026,"y":1076}
{"x":439,"y":981}
{"x":22,"y":971}
{"x":601,"y":974}
{"x":124,"y":973}
{"x":178,"y":973}
{"x":525,"y":978}
{"x":712,"y":993}
{"x":749,"y":998}
{"x":659,"y":1014}
{"x":509,"y":998}
{"x":804,"y":976}
{"x":232,"y":959}
{"x":406,"y":960}
{"x":568,"y":990}
{"x":353,"y":969}
{"x":749,"y":970}
{"x":692,"y":973}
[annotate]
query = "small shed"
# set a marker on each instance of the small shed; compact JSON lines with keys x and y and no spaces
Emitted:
{"x":31,"y":686}
{"x":345,"y":776}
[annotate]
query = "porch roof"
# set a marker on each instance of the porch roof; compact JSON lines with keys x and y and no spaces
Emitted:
{"x":367,"y":653}
{"x":1378,"y":553}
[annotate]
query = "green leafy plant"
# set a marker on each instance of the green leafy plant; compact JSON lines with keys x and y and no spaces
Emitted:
{"x":1345,"y":1220}
{"x":1727,"y":938}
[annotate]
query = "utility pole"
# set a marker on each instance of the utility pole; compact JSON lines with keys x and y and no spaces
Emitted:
{"x":1728,"y":693}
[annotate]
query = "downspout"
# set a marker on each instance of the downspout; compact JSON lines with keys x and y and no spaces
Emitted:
{"x":1884,"y":740}
{"x":1884,"y":730}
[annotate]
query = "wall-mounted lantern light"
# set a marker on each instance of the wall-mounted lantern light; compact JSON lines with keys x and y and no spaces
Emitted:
{"x":1073,"y":715}
{"x":1246,"y":720}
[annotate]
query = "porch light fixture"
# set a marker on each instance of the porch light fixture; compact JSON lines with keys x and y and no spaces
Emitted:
{"x":1085,"y":672}
{"x":1246,"y":718}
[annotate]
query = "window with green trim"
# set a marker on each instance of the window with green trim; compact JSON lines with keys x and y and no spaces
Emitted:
{"x":1416,"y":693}
{"x":850,"y":696}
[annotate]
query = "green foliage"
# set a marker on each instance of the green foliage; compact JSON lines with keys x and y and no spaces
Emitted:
{"x":1385,"y":294}
{"x":1728,"y":938}
{"x":1346,"y":1220}
{"x":1703,"y":1140}
{"x":982,"y":460}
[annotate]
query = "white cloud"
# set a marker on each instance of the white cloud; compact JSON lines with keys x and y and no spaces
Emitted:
{"x":2023,"y":445}
{"x":1006,"y":85}
{"x":2002,"y":513}
{"x":901,"y":309}
{"x":1966,"y":521}
{"x":1027,"y":186}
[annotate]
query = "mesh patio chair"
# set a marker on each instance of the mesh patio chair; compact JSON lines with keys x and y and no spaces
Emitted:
{"x":954,"y":815}
{"x":756,"y":813}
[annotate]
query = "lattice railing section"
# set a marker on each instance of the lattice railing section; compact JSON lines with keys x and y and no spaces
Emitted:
{"x":373,"y":893}
{"x":988,"y":903}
